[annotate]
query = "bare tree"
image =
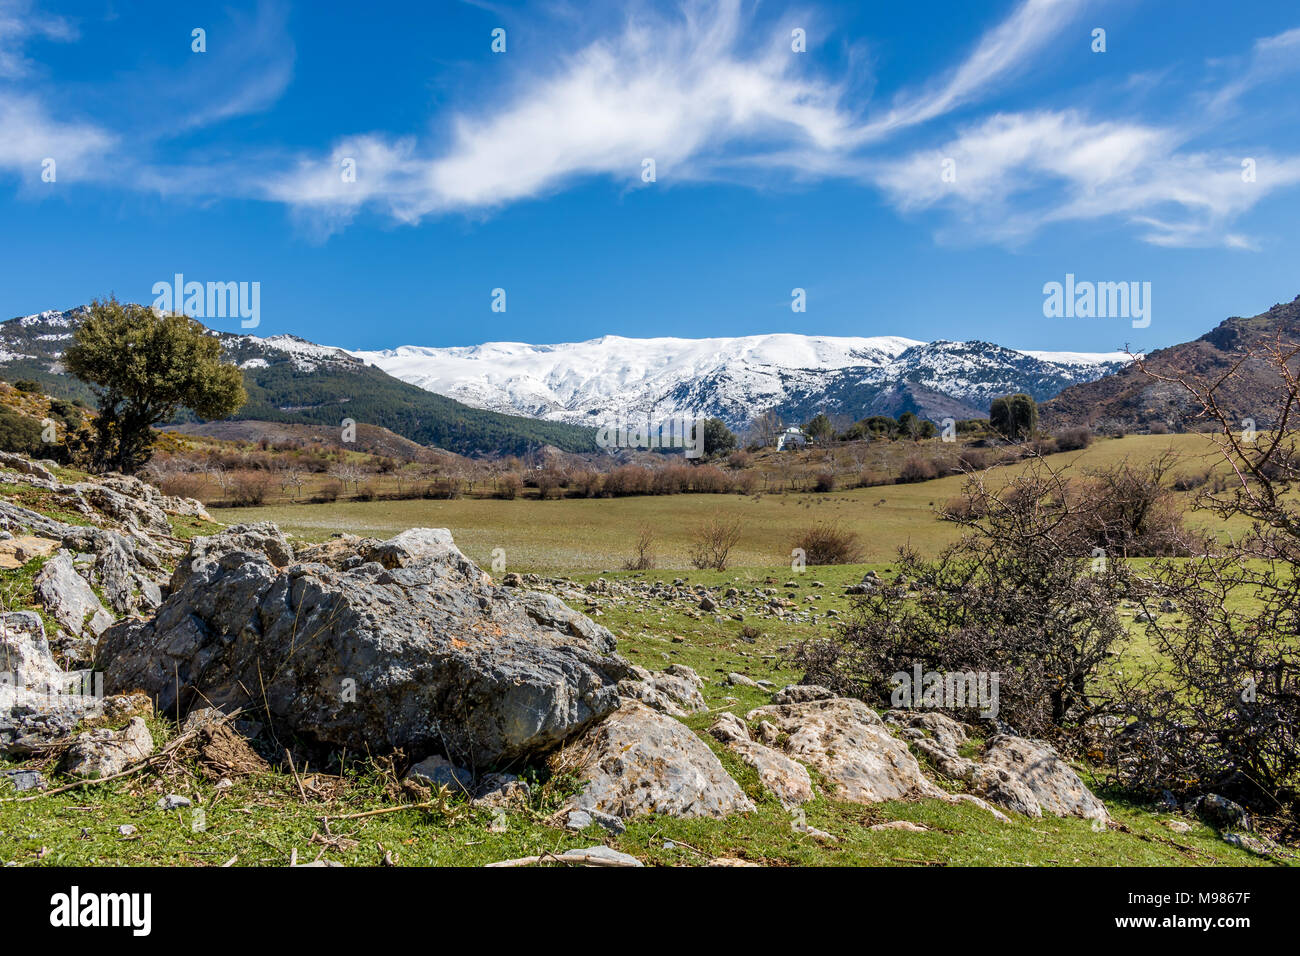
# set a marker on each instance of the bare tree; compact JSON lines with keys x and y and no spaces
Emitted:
{"x":712,"y":542}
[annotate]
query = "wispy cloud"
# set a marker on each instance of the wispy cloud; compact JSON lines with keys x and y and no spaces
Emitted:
{"x":1011,"y":174}
{"x":20,"y":23}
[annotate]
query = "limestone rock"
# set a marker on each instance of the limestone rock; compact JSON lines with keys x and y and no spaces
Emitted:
{"x":69,"y":598}
{"x":848,"y":744}
{"x":675,"y":690}
{"x":102,"y":753}
{"x":638,"y":760}
{"x":39,"y":702}
{"x":1055,"y":786}
{"x":799,"y":693}
{"x":415,"y":649}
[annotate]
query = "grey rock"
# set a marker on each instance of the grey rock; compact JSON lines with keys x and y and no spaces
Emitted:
{"x":599,"y":856}
{"x":1248,"y":842}
{"x":798,"y":693}
{"x":1004,"y":788}
{"x":26,"y":779}
{"x":39,"y":702}
{"x":440,"y":772}
{"x":846,"y":742}
{"x":675,"y":690}
{"x":425,"y":655}
{"x":638,"y":760}
{"x":784,"y":778}
{"x":728,"y":727}
{"x":578,"y":820}
{"x":102,"y":753}
{"x":174,"y":801}
{"x":501,"y":790}
{"x":69,"y":598}
{"x":1055,"y":786}
{"x":1224,"y":813}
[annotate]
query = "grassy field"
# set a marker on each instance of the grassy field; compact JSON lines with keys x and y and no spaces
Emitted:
{"x":599,"y":533}
{"x":263,"y":818}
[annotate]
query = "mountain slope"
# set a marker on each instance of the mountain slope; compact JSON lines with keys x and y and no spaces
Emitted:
{"x":1131,"y":399}
{"x":292,"y":380}
{"x":733,"y":378}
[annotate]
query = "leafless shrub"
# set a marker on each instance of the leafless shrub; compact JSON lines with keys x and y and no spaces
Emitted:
{"x":712,"y":542}
{"x":1017,"y":595}
{"x":827,"y":544}
{"x":509,"y":486}
{"x":917,"y":469}
{"x":249,"y":488}
{"x":643,"y":559}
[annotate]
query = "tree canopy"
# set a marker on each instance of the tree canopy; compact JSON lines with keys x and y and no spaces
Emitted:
{"x":144,"y":368}
{"x":1014,"y":416}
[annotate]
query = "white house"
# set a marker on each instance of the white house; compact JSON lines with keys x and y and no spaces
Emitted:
{"x":792,"y":437}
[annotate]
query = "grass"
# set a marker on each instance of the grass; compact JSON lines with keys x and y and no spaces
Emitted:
{"x":264,"y":817}
{"x":576,"y":534}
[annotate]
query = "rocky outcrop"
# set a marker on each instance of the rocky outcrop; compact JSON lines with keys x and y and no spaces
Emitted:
{"x":847,"y":743}
{"x":801,"y":693}
{"x":785,"y":779}
{"x":414,"y":648}
{"x":1021,"y":775}
{"x":1056,"y":787}
{"x":674,"y":690}
{"x":639,"y":761}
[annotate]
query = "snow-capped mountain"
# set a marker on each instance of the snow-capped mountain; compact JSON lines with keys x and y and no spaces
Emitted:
{"x":735,"y":378}
{"x":292,"y":380}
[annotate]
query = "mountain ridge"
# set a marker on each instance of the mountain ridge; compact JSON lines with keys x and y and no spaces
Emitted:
{"x":1130,"y":399}
{"x":734,"y":377}
{"x":292,"y":380}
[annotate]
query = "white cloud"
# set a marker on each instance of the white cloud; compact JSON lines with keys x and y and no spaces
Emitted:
{"x":19,"y":23}
{"x":1002,"y":51}
{"x":1016,"y":172}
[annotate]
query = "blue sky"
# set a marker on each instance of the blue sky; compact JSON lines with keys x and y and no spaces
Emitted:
{"x":774,"y":169}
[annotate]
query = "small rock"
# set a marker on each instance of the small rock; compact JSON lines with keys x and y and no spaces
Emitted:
{"x":438,"y":771}
{"x":26,"y":779}
{"x":798,"y":693}
{"x":1224,"y":813}
{"x":174,"y":801}
{"x":102,"y":753}
{"x":901,"y":825}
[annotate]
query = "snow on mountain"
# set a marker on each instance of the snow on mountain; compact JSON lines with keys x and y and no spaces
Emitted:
{"x":734,"y":378}
{"x":598,"y":381}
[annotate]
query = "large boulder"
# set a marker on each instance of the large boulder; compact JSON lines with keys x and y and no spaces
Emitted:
{"x":639,"y":760}
{"x":674,"y":690}
{"x":786,"y":779}
{"x":847,"y":743}
{"x":413,"y":649}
